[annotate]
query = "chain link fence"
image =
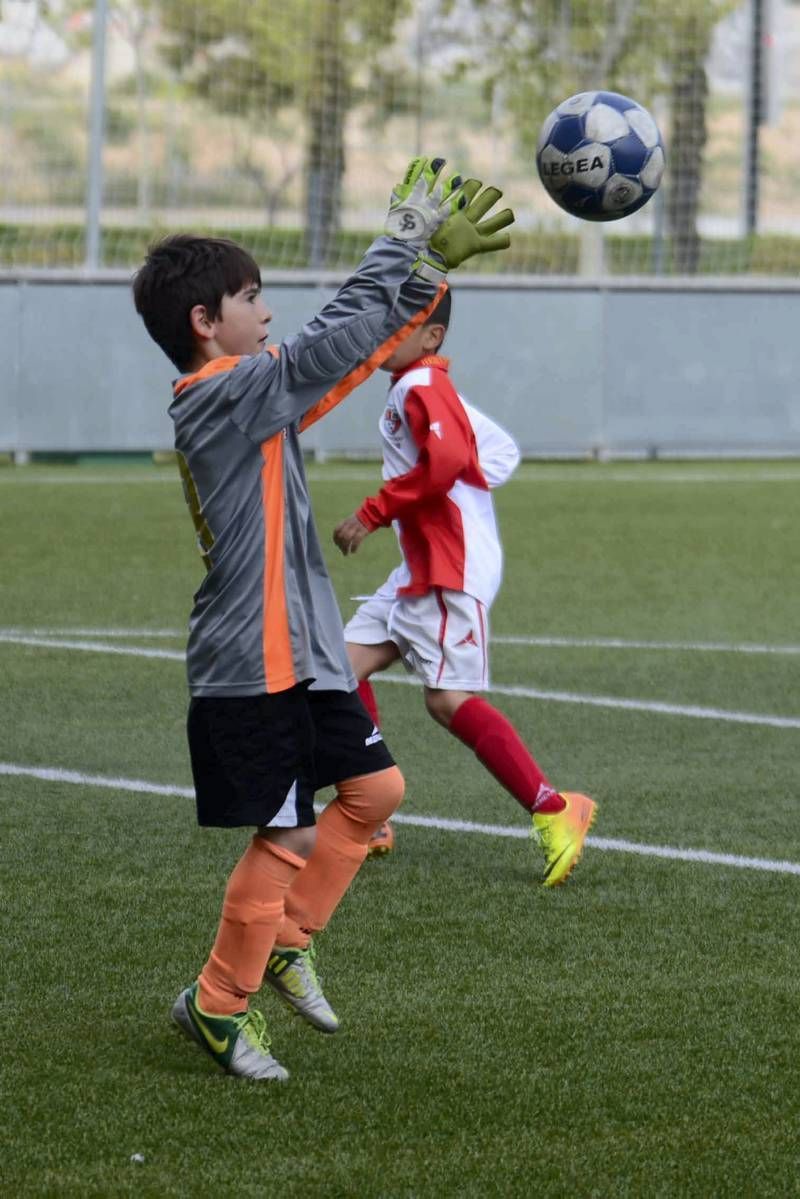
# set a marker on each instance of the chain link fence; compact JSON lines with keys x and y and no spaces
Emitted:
{"x":284,"y":125}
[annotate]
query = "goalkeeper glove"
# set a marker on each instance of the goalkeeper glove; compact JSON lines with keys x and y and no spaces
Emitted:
{"x":461,"y":236}
{"x":442,"y":217}
{"x":421,"y":203}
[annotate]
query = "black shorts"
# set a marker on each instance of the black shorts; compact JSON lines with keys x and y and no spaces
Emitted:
{"x":258,"y":759}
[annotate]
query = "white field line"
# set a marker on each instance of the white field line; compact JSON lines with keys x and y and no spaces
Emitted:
{"x":95,"y":632}
{"x":715,"y":647}
{"x":94,"y":647}
{"x":530,"y":475}
{"x":608,"y":844}
{"x":565,"y":697}
{"x":619,"y":702}
{"x":545,"y":642}
{"x":24,"y":480}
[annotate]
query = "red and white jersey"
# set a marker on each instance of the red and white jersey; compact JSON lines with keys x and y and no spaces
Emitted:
{"x":437,"y":484}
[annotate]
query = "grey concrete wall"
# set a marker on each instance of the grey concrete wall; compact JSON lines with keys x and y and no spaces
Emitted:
{"x":570,"y":368}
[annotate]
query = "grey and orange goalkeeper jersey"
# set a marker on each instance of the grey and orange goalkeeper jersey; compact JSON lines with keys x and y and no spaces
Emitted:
{"x":265,"y":616}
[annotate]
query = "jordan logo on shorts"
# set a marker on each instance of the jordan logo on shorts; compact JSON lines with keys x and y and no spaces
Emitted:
{"x":374,"y":736}
{"x":468,"y":640}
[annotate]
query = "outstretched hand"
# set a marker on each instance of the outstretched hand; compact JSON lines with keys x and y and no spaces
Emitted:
{"x":446,"y":217}
{"x":423,"y":201}
{"x":466,"y":233}
{"x":349,"y":535}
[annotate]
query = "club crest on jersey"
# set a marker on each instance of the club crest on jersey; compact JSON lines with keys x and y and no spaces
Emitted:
{"x":391,"y":422}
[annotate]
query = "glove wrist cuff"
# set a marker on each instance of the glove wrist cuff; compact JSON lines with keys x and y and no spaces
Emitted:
{"x":429,"y":272}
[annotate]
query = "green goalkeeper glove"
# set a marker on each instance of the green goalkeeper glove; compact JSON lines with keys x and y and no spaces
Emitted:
{"x":423,"y":201}
{"x":461,"y":235}
{"x":441,"y":216}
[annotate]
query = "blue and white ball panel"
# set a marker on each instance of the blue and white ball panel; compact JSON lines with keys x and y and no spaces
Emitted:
{"x":576,"y":106}
{"x":629,"y":154}
{"x":650,"y":174}
{"x":643,"y":126}
{"x":615,"y":100}
{"x":603,"y":123}
{"x":567,"y":134}
{"x":622,"y":192}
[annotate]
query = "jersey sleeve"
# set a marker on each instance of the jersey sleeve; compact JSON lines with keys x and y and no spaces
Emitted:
{"x":381,"y":300}
{"x":498,"y":453}
{"x":435,"y":419}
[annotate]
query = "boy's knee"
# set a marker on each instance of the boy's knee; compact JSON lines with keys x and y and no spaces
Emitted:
{"x":441,"y":705}
{"x":299,"y":841}
{"x":373,"y":798}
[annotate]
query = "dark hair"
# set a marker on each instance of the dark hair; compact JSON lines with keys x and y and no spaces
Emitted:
{"x":441,"y":313}
{"x":183,"y":270}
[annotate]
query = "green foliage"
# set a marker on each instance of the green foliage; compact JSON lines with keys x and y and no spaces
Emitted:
{"x":120,"y":124}
{"x":246,"y":57}
{"x":532,"y":252}
{"x":538,"y":54}
{"x":250,"y":58}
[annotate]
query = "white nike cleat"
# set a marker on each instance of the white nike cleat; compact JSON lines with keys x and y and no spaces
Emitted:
{"x":238,"y":1043}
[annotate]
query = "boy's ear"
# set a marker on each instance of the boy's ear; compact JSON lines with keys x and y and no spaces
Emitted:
{"x":202,"y":325}
{"x":434,"y":336}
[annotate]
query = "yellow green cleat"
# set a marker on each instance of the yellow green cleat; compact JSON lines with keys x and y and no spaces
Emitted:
{"x":292,"y":974}
{"x":561,"y":835}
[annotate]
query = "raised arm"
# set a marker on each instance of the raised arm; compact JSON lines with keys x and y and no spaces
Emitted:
{"x":376,"y":303}
{"x":434,"y":224}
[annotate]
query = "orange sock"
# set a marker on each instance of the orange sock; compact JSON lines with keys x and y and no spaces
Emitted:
{"x":343,"y":832}
{"x":251,"y":914}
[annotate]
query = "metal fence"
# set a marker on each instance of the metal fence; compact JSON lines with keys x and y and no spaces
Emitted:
{"x":285,"y":125}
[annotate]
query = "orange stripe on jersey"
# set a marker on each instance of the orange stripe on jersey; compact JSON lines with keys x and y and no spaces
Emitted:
{"x":214,"y":367}
{"x":276,"y":642}
{"x":343,"y":388}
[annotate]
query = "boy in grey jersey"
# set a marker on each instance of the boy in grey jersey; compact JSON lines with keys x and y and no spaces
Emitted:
{"x":274,"y":714}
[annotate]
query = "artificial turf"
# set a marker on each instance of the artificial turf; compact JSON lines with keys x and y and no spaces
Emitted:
{"x":633,"y":1033}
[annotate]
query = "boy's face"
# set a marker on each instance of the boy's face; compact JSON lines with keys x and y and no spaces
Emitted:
{"x":242,"y":323}
{"x":424,"y":340}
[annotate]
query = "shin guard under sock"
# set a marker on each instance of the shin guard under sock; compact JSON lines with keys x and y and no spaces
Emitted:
{"x":343,"y":832}
{"x":251,"y":915}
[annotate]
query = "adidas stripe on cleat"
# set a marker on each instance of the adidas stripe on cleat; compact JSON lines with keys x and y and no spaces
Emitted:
{"x":292,"y":975}
{"x":238,"y":1043}
{"x":561,"y":835}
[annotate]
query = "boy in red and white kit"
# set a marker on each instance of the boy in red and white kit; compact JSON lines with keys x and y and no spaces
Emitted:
{"x":441,"y":457}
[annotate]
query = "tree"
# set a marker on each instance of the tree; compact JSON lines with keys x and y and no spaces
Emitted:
{"x":691,"y":27}
{"x":135,"y":21}
{"x":256,"y":58}
{"x":540,"y":51}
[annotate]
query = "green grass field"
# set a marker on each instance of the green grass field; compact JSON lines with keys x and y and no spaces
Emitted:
{"x":634,"y":1033}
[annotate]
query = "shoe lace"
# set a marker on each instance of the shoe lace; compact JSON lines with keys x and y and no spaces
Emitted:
{"x":308,"y":959}
{"x":253,"y":1028}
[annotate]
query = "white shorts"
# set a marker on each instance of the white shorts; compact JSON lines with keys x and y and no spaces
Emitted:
{"x":442,"y":636}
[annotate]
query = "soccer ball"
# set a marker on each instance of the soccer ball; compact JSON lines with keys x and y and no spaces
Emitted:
{"x":600,"y":156}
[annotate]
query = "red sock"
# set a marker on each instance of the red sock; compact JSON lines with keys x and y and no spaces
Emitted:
{"x":496,"y":743}
{"x":367,"y":697}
